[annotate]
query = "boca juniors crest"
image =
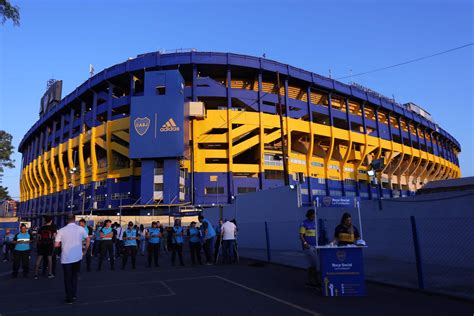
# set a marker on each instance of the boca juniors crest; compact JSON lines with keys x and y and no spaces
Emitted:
{"x":141,"y":125}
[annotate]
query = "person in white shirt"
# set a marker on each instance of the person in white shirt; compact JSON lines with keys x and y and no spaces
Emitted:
{"x":228,"y":233}
{"x":69,"y":239}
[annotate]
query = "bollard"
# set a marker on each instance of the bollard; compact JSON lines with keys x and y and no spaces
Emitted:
{"x":267,"y":237}
{"x":416,"y":246}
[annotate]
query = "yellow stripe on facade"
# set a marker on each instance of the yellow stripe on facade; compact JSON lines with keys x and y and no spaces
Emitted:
{"x":34,"y":184}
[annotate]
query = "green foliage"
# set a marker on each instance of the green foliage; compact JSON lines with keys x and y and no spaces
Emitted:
{"x":6,"y":150}
{"x":4,"y":193}
{"x":9,"y":12}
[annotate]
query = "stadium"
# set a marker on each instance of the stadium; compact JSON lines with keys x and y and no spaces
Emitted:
{"x":172,"y":131}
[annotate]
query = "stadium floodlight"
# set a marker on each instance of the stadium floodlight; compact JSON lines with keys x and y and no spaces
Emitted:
{"x":378,"y":164}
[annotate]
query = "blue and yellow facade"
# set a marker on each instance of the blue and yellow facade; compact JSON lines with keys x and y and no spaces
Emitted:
{"x":83,"y":155}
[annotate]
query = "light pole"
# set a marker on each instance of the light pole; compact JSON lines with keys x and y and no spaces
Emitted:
{"x":72,"y":171}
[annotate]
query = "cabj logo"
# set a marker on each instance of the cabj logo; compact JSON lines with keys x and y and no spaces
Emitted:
{"x":327,"y":200}
{"x":169,"y":126}
{"x":141,"y":125}
{"x":341,"y":255}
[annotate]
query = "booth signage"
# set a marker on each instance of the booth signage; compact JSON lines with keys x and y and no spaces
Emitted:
{"x":342,"y":271}
{"x":329,"y":201}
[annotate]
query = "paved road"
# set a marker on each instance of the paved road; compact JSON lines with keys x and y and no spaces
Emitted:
{"x":208,"y":290}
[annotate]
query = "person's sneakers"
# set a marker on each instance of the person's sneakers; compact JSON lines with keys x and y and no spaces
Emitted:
{"x":51,"y":276}
{"x":4,"y":260}
{"x":74,"y":298}
{"x":209,"y":264}
{"x":69,"y":302}
{"x":35,"y":277}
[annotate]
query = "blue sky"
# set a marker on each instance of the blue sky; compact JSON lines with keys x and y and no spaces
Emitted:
{"x":59,"y":39}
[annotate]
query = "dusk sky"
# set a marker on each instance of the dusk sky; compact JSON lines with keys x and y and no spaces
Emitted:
{"x":59,"y":39}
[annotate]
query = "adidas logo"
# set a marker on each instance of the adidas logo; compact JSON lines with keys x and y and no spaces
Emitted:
{"x":169,"y":126}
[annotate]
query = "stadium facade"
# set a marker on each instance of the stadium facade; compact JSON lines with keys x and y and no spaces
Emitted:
{"x":163,"y":131}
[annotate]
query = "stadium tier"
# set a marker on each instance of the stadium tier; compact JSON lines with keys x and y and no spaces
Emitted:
{"x":164,"y":131}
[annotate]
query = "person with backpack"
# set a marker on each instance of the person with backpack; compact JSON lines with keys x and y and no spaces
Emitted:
{"x":45,"y":246}
{"x":194,"y":243}
{"x":177,"y":241}
{"x":130,"y":237}
{"x":153,"y":236}
{"x":21,"y":253}
{"x":106,"y":244}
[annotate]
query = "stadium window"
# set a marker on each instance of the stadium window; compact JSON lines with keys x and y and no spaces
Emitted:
{"x":274,"y":174}
{"x":241,"y":190}
{"x":216,"y":160}
{"x":318,"y":192}
{"x":160,"y":90}
{"x":213,"y":145}
{"x":159,"y":187}
{"x":213,"y":190}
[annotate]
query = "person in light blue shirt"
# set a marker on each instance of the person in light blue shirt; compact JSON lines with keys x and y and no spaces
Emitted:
{"x":96,"y":248}
{"x":8,"y":244}
{"x":209,"y":235}
{"x":195,"y":243}
{"x":177,"y":242}
{"x":21,"y":252}
{"x":130,"y":237}
{"x":153,"y":236}
{"x":106,"y":244}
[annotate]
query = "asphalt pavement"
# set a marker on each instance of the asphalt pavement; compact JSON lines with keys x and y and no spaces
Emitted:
{"x":239,"y":289}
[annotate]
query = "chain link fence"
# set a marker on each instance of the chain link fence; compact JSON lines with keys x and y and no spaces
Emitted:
{"x":433,"y":254}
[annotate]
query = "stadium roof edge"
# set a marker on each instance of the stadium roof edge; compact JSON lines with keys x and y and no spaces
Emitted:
{"x":153,"y":59}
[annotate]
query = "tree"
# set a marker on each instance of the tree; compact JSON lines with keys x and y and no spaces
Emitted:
{"x":6,"y":150}
{"x":9,"y":12}
{"x":4,"y":193}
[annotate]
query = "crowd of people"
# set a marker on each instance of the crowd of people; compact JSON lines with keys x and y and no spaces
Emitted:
{"x":110,"y":242}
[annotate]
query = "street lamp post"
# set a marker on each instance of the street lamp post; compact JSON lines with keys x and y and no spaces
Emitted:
{"x":72,"y":171}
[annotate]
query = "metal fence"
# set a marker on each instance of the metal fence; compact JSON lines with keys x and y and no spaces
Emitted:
{"x":432,"y":254}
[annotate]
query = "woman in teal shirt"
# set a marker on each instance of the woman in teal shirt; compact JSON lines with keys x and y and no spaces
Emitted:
{"x":195,"y":243}
{"x":21,"y":252}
